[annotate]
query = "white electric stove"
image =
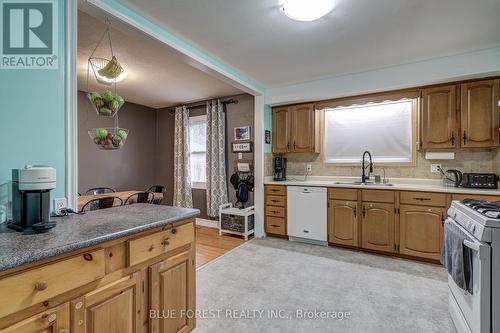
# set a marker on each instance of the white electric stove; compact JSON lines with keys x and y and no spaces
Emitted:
{"x":479,"y":311}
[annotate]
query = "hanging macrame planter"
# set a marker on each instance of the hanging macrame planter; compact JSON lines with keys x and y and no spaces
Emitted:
{"x":107,"y":103}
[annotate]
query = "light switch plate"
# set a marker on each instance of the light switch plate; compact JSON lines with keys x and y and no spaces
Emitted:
{"x":435,"y":168}
{"x":60,"y":203}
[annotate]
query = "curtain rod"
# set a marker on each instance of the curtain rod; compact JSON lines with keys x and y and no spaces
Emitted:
{"x":229,"y":101}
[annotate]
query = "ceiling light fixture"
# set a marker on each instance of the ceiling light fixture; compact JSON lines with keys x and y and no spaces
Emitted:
{"x":307,"y":10}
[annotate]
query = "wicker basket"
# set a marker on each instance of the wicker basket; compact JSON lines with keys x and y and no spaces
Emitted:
{"x":236,"y":223}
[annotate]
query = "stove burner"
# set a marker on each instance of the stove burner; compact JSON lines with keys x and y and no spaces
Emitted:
{"x":489,"y":209}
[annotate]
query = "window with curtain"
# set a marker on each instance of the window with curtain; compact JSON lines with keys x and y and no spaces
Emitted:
{"x":198,"y":150}
{"x":384,"y":129}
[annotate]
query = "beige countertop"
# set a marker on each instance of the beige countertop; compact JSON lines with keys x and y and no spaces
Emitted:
{"x":397,"y":184}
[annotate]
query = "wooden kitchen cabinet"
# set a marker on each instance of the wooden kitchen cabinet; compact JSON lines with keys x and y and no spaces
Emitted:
{"x":303,"y":128}
{"x":343,"y":222}
{"x":439,"y":117}
{"x":115,"y":307}
{"x":296,"y":129}
{"x":421,"y":231}
{"x":56,"y":320}
{"x":172,"y":294}
{"x":276,"y":210}
{"x":281,"y":130}
{"x":479,"y":114}
{"x":377,"y":227}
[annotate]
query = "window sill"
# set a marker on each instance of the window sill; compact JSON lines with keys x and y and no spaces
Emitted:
{"x":199,"y":186}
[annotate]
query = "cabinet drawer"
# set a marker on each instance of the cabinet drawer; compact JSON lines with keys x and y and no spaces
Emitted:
{"x":378,"y":196}
{"x":35,"y":286}
{"x":275,"y":211}
{"x":423,"y":199}
{"x":273,"y":200}
{"x":148,"y":247}
{"x":461,"y":197}
{"x":275,"y":190}
{"x":343,"y":194}
{"x":275,"y":225}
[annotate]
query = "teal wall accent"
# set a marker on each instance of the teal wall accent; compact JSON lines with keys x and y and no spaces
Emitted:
{"x":268,"y":126}
{"x":134,"y":16}
{"x":32,"y":116}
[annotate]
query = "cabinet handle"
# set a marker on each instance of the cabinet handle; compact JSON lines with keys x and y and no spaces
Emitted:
{"x":355,"y":211}
{"x":275,"y":225}
{"x":453,"y":138}
{"x":288,"y":146}
{"x":294,"y":145}
{"x":275,"y":211}
{"x":88,"y":257}
{"x":275,"y":200}
{"x":364,"y":211}
{"x":422,"y":199}
{"x":275,"y":190}
{"x":165,"y":242}
{"x":465,"y":137}
{"x":40,"y":286}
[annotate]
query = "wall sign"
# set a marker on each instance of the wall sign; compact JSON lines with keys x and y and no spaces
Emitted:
{"x":267,"y":137}
{"x":244,"y":147}
{"x":29,"y":34}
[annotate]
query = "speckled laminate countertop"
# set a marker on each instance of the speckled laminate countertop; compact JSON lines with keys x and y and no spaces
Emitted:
{"x":81,"y":231}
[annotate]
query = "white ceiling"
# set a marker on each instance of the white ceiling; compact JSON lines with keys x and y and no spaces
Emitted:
{"x":358,"y":35}
{"x":156,"y":77}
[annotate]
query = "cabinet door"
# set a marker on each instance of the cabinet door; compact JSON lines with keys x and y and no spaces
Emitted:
{"x":377,"y":228}
{"x":281,"y":130}
{"x":421,"y":231}
{"x":479,"y":109}
{"x":439,"y":117}
{"x":116,"y":307}
{"x":55,"y":320}
{"x":343,"y":222}
{"x":303,"y":128}
{"x":172,"y":294}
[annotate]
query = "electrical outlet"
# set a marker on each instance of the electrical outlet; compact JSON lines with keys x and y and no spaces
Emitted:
{"x":240,"y":156}
{"x":309,"y":168}
{"x":60,"y":203}
{"x":435,"y":167}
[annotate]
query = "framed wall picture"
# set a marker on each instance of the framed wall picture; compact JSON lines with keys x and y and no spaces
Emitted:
{"x":268,"y":137}
{"x":242,"y":147}
{"x":242,"y":133}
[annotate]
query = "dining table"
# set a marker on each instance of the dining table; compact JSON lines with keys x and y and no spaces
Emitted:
{"x":123,"y":195}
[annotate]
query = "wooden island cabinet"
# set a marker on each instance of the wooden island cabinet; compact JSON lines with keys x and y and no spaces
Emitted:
{"x":125,"y":285}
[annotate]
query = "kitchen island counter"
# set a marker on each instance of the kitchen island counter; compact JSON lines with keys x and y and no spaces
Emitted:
{"x":82,"y":231}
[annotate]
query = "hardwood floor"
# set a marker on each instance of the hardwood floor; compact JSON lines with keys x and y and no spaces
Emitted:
{"x":209,"y":245}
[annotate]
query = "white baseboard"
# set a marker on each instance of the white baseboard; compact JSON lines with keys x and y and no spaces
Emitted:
{"x":207,"y":223}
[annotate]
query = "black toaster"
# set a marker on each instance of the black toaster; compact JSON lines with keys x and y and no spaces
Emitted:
{"x":480,"y":180}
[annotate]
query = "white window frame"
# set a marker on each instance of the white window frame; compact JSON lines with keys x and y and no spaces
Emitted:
{"x":198,"y":185}
{"x":414,"y":126}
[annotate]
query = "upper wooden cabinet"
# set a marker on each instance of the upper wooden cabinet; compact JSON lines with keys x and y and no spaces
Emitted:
{"x":439,"y":117}
{"x":296,"y":129}
{"x":479,"y":114}
{"x":281,"y":130}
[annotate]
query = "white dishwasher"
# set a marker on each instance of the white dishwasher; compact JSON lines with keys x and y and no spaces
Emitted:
{"x":307,"y":214}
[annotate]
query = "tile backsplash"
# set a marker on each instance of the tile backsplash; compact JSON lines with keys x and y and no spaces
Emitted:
{"x":465,"y":161}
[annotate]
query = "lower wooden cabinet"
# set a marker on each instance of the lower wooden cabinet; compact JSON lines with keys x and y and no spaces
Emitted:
{"x":421,"y":231}
{"x":115,"y":307}
{"x":343,"y":222}
{"x":56,"y":320}
{"x":377,"y":227}
{"x":172,"y":294}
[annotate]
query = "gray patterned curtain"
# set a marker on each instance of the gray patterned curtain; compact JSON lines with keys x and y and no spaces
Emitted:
{"x":216,"y":158}
{"x":183,"y":196}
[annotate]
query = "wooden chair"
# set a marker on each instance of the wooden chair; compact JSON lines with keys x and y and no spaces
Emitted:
{"x":102,"y":203}
{"x":99,"y":190}
{"x":141,"y":197}
{"x":157,"y":189}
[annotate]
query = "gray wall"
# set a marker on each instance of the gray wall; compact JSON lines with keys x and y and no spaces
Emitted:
{"x":240,"y":114}
{"x":132,"y":166}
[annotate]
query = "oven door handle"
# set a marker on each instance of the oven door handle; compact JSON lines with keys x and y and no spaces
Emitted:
{"x":480,"y":249}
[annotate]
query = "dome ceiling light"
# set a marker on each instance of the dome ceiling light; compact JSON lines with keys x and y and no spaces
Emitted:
{"x":307,"y":10}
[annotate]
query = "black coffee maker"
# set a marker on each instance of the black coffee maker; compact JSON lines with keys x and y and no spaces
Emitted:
{"x":31,"y":188}
{"x":280,"y":168}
